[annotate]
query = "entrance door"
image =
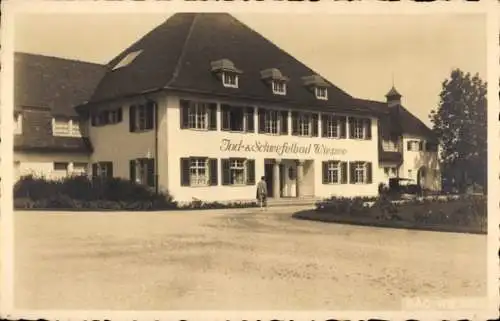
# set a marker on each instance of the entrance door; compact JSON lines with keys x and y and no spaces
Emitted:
{"x":268,"y":173}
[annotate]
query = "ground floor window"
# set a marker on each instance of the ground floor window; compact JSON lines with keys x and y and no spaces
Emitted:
{"x":238,"y":171}
{"x":334,"y":172}
{"x":360,"y":172}
{"x":102,"y":170}
{"x":199,"y":171}
{"x":390,"y":172}
{"x":80,"y":168}
{"x":61,"y":168}
{"x":142,"y":171}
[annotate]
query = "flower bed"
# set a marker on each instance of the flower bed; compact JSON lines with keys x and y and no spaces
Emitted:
{"x":457,"y":214}
{"x":83,"y":194}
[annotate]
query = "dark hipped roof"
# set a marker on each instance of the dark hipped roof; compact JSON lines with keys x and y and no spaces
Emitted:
{"x":55,"y":83}
{"x":178,"y":54}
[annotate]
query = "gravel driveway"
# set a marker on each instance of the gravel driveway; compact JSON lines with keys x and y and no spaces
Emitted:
{"x":234,"y":259}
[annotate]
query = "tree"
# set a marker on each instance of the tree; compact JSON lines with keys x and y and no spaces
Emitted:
{"x":460,"y":127}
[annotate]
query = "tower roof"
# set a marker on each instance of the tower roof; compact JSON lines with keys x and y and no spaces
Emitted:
{"x":178,"y":55}
{"x":393,"y":93}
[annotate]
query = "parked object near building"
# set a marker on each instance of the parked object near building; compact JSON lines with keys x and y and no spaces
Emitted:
{"x":206,"y":123}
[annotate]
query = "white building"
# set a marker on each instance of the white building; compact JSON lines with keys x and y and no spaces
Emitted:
{"x":202,"y":106}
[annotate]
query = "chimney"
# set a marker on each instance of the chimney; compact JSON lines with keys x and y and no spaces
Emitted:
{"x":393,"y":97}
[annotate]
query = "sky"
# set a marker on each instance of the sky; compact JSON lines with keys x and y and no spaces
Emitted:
{"x":362,"y":54}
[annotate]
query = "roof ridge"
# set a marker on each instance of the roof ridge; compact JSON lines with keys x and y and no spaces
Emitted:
{"x":178,"y":66}
{"x":57,"y":58}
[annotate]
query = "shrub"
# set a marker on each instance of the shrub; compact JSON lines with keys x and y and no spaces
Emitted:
{"x":344,"y":205}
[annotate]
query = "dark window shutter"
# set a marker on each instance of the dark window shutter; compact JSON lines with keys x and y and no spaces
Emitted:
{"x":351,"y":172}
{"x":212,"y":116}
{"x":185,"y":172}
{"x":314,"y":124}
{"x":369,"y":178}
{"x":132,"y":114}
{"x":262,"y":120}
{"x":343,"y":125}
{"x":324,"y":127}
{"x":250,"y":119}
{"x":110,"y":169}
{"x":250,"y":171}
{"x":151,"y":172}
{"x":408,"y":145}
{"x":214,"y":173}
{"x":120,"y":115}
{"x":284,"y":122}
{"x":295,"y":123}
{"x":106,"y":117}
{"x":368,"y":124}
{"x":325,"y":172}
{"x":225,"y":114}
{"x":343,"y":172}
{"x":93,"y":120}
{"x":132,"y":165}
{"x":184,"y":113}
{"x":150,"y":114}
{"x":94,"y":170}
{"x":351,"y":127}
{"x":226,"y":172}
{"x":421,"y":146}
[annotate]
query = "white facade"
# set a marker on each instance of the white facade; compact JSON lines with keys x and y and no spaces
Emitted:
{"x":302,"y":166}
{"x":50,"y":166}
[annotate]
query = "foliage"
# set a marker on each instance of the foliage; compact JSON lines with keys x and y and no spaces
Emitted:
{"x":344,"y":205}
{"x":460,"y":125}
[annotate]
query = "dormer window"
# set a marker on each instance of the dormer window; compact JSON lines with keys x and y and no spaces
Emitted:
{"x":127,"y":60}
{"x":321,"y":93}
{"x":275,"y":80}
{"x":230,"y":80}
{"x":225,"y":70}
{"x":317,"y":85}
{"x":279,"y":87}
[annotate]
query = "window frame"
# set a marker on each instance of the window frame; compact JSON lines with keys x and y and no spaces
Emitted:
{"x":227,"y":78}
{"x":360,"y":168}
{"x":332,"y":168}
{"x":194,"y":115}
{"x":318,"y":91}
{"x":330,"y":119}
{"x":357,"y":129}
{"x":197,"y":167}
{"x":276,"y":84}
{"x":234,"y":166}
{"x":304,"y":124}
{"x":268,"y":123}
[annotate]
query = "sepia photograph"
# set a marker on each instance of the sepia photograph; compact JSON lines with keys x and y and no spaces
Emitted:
{"x":168,"y":161}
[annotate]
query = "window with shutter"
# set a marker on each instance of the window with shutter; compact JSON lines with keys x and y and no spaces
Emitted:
{"x":250,"y":163}
{"x":325,"y":172}
{"x":352,"y":167}
{"x":132,"y":114}
{"x":368,"y":129}
{"x":199,"y":171}
{"x":369,"y":173}
{"x":295,"y":123}
{"x":226,"y":117}
{"x":184,"y":113}
{"x":343,"y":173}
{"x":212,"y":111}
{"x":284,"y":122}
{"x":343,"y":126}
{"x":226,"y":172}
{"x":250,"y":111}
{"x":351,"y":127}
{"x":262,"y":120}
{"x":184,"y":172}
{"x":324,"y":125}
{"x":314,"y":125}
{"x":214,"y":173}
{"x":150,"y":115}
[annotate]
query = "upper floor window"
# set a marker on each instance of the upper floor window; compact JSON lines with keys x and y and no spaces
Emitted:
{"x":142,"y":171}
{"x":415,"y":145}
{"x":238,"y":171}
{"x":360,"y":128}
{"x":389,"y":146}
{"x":279,"y":87}
{"x":230,"y":79}
{"x":227,"y":72}
{"x":198,"y":115}
{"x":66,"y":127}
{"x":273,"y":121}
{"x":321,"y":93}
{"x":304,"y":124}
{"x":141,"y":117}
{"x":199,"y":171}
{"x":18,"y":123}
{"x":239,"y":119}
{"x":333,"y":126}
{"x":107,"y":117}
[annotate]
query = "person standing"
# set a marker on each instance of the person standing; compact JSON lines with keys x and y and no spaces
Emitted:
{"x":262,"y":192}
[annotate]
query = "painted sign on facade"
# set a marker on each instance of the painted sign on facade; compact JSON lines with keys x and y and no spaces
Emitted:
{"x":228,"y":145}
